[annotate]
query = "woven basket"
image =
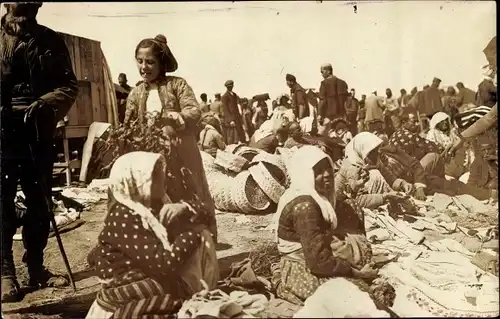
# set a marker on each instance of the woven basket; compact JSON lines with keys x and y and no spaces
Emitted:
{"x":269,"y":185}
{"x":247,"y":152}
{"x":220,"y":188}
{"x":231,"y":148}
{"x":247,"y":195}
{"x":276,"y":166}
{"x":230,"y":162}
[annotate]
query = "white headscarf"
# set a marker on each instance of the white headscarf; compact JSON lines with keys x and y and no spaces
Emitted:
{"x":302,"y":178}
{"x":438,"y":118}
{"x":437,"y":136}
{"x":359,"y":147}
{"x":131,"y":179}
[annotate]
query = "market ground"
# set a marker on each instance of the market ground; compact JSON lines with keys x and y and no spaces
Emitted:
{"x":238,"y":235}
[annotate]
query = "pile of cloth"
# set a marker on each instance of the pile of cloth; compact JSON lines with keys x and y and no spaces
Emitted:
{"x":436,"y":277}
{"x":245,"y":180}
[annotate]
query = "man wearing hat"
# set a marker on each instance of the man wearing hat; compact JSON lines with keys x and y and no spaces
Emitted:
{"x":233,"y":123}
{"x":38,"y":87}
{"x":333,"y":93}
{"x":299,"y":98}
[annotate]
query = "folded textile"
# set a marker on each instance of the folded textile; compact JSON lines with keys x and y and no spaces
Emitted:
{"x":243,"y":277}
{"x":326,"y":304}
{"x":378,"y":235}
{"x":218,"y":304}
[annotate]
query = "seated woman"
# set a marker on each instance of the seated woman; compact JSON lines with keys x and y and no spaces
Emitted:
{"x":151,"y":254}
{"x":313,"y":248}
{"x":442,"y":133}
{"x":360,"y":178}
{"x":211,"y":138}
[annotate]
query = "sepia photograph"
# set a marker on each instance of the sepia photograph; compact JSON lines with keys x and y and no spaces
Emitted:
{"x":249,"y":159}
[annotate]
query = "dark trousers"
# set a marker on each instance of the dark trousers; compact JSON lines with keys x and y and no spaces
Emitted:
{"x":17,"y":167}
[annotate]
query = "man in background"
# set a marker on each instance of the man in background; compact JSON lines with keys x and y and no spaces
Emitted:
{"x":374,"y":106}
{"x":299,"y":98}
{"x":403,"y":99}
{"x":204,"y":105}
{"x":333,"y":93}
{"x":233,"y":123}
{"x":122,"y":95}
{"x":465,"y":95}
{"x":351,"y":110}
{"x":361,"y":114}
{"x":38,"y":89}
{"x":392,"y":112}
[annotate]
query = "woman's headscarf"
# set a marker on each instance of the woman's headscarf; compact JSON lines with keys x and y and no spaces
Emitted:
{"x":131,"y":179}
{"x":270,"y":127}
{"x":301,"y":171}
{"x":438,"y":118}
{"x":360,"y":146}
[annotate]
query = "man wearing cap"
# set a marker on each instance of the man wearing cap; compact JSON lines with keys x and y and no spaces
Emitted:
{"x":299,"y":98}
{"x":233,"y":123}
{"x":333,"y":93}
{"x":38,"y":87}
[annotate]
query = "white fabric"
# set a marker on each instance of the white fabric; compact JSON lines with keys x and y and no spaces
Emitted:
{"x":303,"y":183}
{"x":306,"y":124}
{"x":437,"y":136}
{"x":131,"y":179}
{"x":339,"y":298}
{"x":361,"y":145}
{"x":153,"y":103}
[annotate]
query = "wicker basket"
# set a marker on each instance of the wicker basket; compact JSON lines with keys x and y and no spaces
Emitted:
{"x":276,"y":166}
{"x":230,"y":162}
{"x":247,"y":152}
{"x":220,"y":186}
{"x":269,"y":185}
{"x":247,"y":195}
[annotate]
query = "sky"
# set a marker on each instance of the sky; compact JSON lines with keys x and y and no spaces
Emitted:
{"x":382,"y":45}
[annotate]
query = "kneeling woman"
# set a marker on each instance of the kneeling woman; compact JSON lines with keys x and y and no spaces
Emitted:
{"x":307,"y":234}
{"x":151,"y":254}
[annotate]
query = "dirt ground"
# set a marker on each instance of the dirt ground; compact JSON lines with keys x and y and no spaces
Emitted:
{"x":238,"y":235}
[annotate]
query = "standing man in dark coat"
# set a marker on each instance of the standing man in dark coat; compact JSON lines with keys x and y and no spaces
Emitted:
{"x":333,"y":93}
{"x":233,"y":123}
{"x":299,"y":98}
{"x":38,"y":89}
{"x":122,"y":96}
{"x":351,"y":109}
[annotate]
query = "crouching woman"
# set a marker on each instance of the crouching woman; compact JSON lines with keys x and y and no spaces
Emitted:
{"x":151,"y":254}
{"x":311,"y":247}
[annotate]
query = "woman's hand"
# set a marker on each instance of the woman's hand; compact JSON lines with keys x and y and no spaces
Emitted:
{"x":394,"y":197}
{"x":367,"y":273}
{"x":419,"y":194}
{"x":177,"y":118}
{"x":173,"y":211}
{"x":406,"y":187}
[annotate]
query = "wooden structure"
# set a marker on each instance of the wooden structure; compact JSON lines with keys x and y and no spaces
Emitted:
{"x":96,"y":100}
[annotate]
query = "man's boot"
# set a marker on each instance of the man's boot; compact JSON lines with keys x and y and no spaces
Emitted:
{"x":10,"y":286}
{"x":41,"y":277}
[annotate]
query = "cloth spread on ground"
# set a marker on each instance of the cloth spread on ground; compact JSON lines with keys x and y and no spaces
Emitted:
{"x":324,"y":304}
{"x":243,"y":277}
{"x":218,"y":304}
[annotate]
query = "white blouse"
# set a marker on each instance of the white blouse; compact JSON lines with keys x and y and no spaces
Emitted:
{"x":153,"y":103}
